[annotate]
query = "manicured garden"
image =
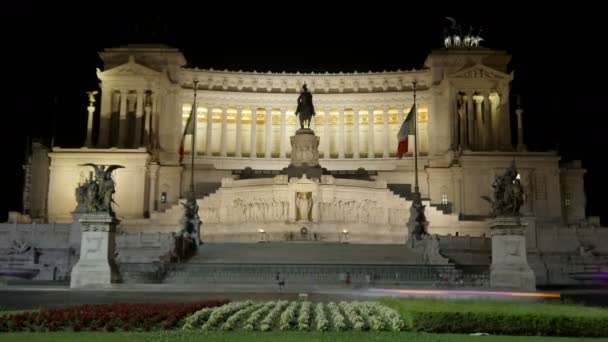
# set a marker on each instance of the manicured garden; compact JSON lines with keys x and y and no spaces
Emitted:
{"x":383,"y":320}
{"x":272,"y":336}
{"x":296,"y":315}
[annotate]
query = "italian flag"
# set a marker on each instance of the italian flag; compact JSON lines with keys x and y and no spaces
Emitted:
{"x":407,"y":129}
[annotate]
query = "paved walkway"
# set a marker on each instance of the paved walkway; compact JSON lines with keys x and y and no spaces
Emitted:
{"x":15,"y":297}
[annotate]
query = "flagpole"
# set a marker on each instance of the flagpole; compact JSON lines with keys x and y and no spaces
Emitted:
{"x":415,"y":113}
{"x":416,"y":224}
{"x":193,"y":148}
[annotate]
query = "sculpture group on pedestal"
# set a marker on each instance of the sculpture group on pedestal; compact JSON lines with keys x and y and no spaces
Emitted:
{"x":96,"y":194}
{"x":417,"y":222}
{"x":189,"y":237}
{"x":508,"y":193}
{"x":510,"y":268}
{"x":96,"y":265}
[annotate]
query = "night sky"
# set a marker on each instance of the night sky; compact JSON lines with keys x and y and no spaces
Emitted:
{"x":52,"y":55}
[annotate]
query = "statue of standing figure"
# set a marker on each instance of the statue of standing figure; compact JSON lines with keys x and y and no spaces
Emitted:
{"x":304,"y":205}
{"x":305,"y":110}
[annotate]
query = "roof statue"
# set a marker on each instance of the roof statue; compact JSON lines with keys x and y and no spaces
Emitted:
{"x":91,"y":95}
{"x":453,"y":37}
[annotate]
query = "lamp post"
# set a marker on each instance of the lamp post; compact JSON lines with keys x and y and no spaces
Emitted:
{"x":262,"y":235}
{"x":344,"y":236}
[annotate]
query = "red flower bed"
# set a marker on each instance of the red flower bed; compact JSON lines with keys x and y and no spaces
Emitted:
{"x":109,"y":317}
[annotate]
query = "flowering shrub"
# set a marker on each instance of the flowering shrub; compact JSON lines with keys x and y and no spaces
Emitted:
{"x":336,"y":317}
{"x":218,"y":315}
{"x":197,"y":319}
{"x":233,"y":320}
{"x":373,"y":320}
{"x":110,"y":317}
{"x":322,"y":322}
{"x":388,"y":315}
{"x":266,"y":323}
{"x":255,"y":316}
{"x":304,"y":316}
{"x":288,"y":316}
{"x":356,"y":321}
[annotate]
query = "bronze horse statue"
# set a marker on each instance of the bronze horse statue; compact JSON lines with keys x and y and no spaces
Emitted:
{"x":306,"y":109}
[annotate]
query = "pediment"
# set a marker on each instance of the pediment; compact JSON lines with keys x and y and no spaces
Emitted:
{"x":479,"y":71}
{"x":129,"y":69}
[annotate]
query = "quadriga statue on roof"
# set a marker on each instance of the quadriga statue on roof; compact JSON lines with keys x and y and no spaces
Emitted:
{"x":305,"y":109}
{"x":99,"y":191}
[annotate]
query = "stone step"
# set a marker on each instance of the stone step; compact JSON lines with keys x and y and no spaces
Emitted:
{"x":309,"y":274}
{"x":305,"y":253}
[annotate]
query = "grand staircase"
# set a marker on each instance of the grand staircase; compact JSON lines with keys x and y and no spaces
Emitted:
{"x":307,"y":264}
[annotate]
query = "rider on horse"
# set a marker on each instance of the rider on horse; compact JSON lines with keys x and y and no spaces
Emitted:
{"x":305,"y":110}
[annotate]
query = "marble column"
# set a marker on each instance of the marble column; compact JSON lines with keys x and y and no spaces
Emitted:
{"x":453,"y":113}
{"x":495,"y":103}
{"x":326,"y":135}
{"x":520,"y":130}
{"x":283,"y":136}
{"x":122,"y":126}
{"x":209,"y":136}
{"x":147,"y":119}
{"x":105,"y":116}
{"x":139,"y":115}
{"x":385,"y":132}
{"x":253,"y":137}
{"x":478,"y":123}
{"x":341,"y":134}
{"x":268,"y":134}
{"x":504,"y":124}
{"x":91,"y":111}
{"x":224,"y":137}
{"x":356,"y":133}
{"x":153,"y":172}
{"x":470,"y":122}
{"x":154,"y":128}
{"x":370,"y":127}
{"x":487,"y":123}
{"x":239,"y":127}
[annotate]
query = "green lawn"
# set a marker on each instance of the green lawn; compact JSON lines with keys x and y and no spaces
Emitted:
{"x":179,"y":336}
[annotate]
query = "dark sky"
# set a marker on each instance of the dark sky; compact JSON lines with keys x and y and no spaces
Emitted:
{"x":52,"y":56}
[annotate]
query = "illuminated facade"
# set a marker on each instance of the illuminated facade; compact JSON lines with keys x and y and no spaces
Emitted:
{"x":464,"y":116}
{"x":245,"y":120}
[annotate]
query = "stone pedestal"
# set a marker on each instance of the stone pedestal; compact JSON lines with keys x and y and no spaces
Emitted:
{"x":304,"y":155}
{"x":96,"y":265}
{"x":510,"y":267}
{"x":304,"y":148}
